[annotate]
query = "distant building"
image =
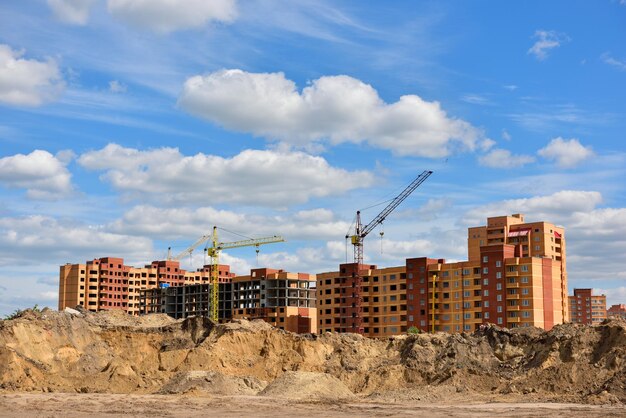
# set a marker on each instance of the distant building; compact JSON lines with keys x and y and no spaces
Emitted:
{"x":515,"y":276}
{"x":617,"y":311}
{"x":285,"y":300}
{"x":587,"y":308}
{"x":107,"y":283}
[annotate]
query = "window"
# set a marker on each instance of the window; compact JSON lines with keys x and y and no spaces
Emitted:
{"x":524,"y":267}
{"x":485,"y":259}
{"x":524,"y":291}
{"x":525,"y":302}
{"x":467,"y":327}
{"x":486,"y":315}
{"x":466,"y":272}
{"x":466,"y":305}
{"x":499,"y":308}
{"x":485,"y":292}
{"x":486,"y":304}
{"x":511,"y":268}
{"x":498,"y":263}
{"x":467,"y":315}
{"x":423,"y":323}
{"x":466,"y":293}
{"x":526,"y":314}
{"x":500,"y":321}
{"x":466,"y":282}
{"x":498,"y":286}
{"x":485,"y":270}
{"x":498,"y":275}
{"x":537,"y":247}
{"x":524,"y":279}
{"x":410,"y":275}
{"x":485,"y":282}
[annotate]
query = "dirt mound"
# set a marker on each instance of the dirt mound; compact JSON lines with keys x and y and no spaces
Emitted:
{"x":115,"y":353}
{"x":215,"y":383}
{"x":307,"y":385}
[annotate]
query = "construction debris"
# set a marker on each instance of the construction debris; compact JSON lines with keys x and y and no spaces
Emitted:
{"x":111,"y":352}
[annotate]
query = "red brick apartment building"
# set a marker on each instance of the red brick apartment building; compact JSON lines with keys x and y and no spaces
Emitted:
{"x":587,"y":308}
{"x":515,"y":276}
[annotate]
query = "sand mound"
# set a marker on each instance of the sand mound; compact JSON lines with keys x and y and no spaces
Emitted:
{"x":77,"y":351}
{"x":215,"y":383}
{"x":307,"y":385}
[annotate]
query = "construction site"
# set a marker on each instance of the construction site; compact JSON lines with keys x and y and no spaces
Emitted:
{"x":495,"y":334}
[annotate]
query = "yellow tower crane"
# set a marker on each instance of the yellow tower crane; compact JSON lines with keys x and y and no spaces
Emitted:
{"x":214,"y":253}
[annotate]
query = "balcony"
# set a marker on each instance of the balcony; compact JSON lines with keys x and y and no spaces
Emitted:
{"x":515,"y":296}
{"x":512,"y":285}
{"x":516,"y":319}
{"x":513,"y":308}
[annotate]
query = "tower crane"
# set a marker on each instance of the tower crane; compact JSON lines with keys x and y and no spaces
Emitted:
{"x":214,"y":253}
{"x":360,"y":231}
{"x":351,"y":311}
{"x":189,"y":250}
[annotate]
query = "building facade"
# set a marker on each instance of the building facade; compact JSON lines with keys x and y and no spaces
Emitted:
{"x":285,"y":300}
{"x":617,"y":311}
{"x":107,"y":283}
{"x":515,"y":276}
{"x":587,"y":308}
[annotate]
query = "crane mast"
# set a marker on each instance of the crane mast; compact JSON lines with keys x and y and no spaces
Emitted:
{"x":351,"y":320}
{"x":214,"y":253}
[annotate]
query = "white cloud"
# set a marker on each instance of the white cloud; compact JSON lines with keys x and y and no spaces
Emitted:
{"x":271,"y":178}
{"x":566,"y":153}
{"x":116,"y":87}
{"x":510,"y":87}
{"x":549,"y":208}
{"x":27,"y":82}
{"x":546,"y":40}
{"x":332,"y":109}
{"x":23,"y":239}
{"x":71,"y":11}
{"x":476,"y":99}
{"x":188,"y":224}
{"x":43,"y":175}
{"x":506,"y":135}
{"x":619,"y":64}
{"x":165,"y":16}
{"x":501,"y":158}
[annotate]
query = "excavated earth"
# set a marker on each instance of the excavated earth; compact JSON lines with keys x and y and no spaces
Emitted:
{"x":110,"y":352}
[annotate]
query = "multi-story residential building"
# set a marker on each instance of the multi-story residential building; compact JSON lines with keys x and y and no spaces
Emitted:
{"x":383,"y":304}
{"x":107,"y":283}
{"x":617,"y":311}
{"x":515,"y":276}
{"x":587,"y":308}
{"x":285,"y":300}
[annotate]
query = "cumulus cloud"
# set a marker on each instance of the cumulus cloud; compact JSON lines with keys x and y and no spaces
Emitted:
{"x":185,"y":223}
{"x":75,"y":12}
{"x":43,"y":238}
{"x":501,"y":158}
{"x":43,"y":175}
{"x":566,"y":153}
{"x":546,"y":40}
{"x":165,"y":16}
{"x":27,"y":82}
{"x":271,"y":178}
{"x":332,"y":109}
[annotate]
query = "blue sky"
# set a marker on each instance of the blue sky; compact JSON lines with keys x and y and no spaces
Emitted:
{"x":128,"y":126}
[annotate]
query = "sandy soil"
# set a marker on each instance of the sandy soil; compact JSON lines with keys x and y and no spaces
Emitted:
{"x":21,"y":405}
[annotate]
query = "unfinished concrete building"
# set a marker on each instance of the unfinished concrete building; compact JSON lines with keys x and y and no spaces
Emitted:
{"x":285,"y":300}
